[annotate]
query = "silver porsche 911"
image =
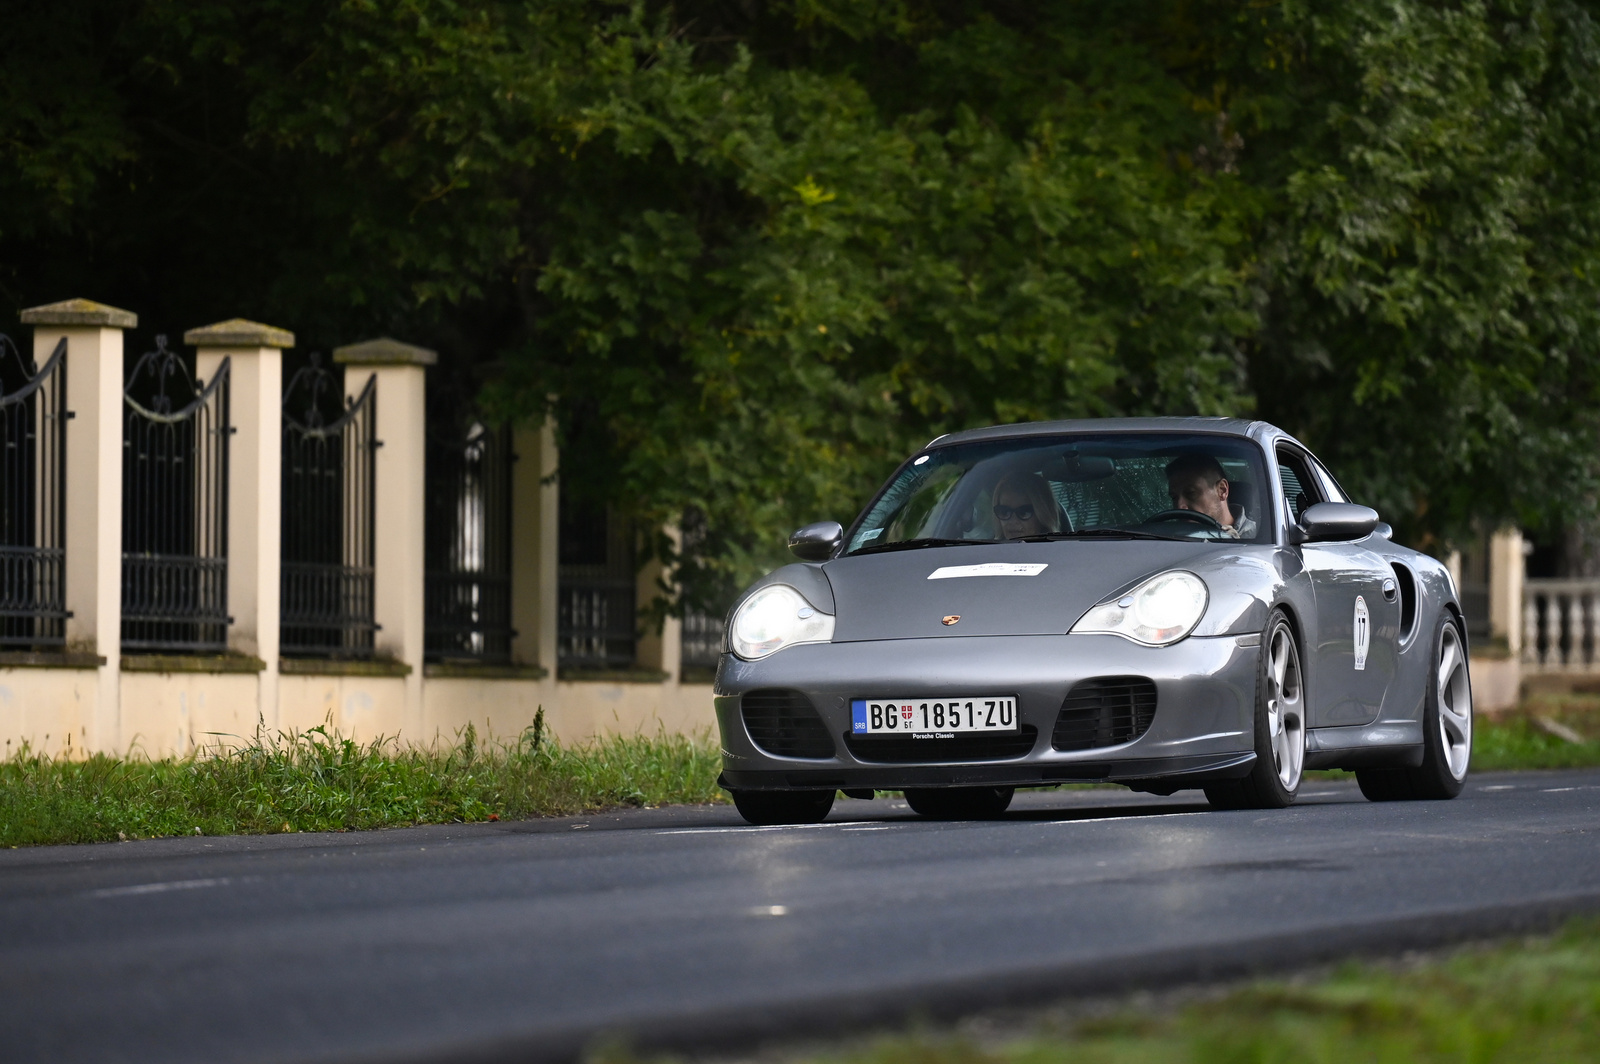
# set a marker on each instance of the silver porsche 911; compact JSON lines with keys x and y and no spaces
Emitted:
{"x":1164,"y":603}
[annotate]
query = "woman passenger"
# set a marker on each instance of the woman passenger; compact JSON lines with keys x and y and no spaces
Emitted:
{"x":1023,"y":506}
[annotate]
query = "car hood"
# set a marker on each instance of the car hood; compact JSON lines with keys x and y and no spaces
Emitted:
{"x":889,"y":595}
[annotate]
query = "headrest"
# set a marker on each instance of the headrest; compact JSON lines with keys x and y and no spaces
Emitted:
{"x":1243,"y":495}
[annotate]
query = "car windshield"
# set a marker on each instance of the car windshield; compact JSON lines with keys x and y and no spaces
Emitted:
{"x":1126,"y":485}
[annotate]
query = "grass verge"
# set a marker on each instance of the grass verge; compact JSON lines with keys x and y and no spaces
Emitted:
{"x":1525,"y":739}
{"x":320,"y":781}
{"x":1536,"y":1001}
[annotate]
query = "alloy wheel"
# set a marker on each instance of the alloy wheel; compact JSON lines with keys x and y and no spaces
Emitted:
{"x":1455,"y":703}
{"x":1286,"y":718}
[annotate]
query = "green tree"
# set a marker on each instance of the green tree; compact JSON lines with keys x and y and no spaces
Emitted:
{"x":748,"y":256}
{"x":1427,"y":265}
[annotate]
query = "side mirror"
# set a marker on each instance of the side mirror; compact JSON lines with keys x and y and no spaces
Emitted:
{"x":817,"y":542}
{"x":1328,"y":521}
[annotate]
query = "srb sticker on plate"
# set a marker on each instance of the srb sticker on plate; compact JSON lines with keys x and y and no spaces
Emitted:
{"x":932,"y":718}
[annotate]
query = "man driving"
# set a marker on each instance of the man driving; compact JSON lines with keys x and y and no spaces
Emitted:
{"x":1196,"y":482}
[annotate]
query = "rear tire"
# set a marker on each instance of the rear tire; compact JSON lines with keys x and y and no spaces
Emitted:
{"x":959,"y":803}
{"x":783,"y":807}
{"x":1446,"y":730}
{"x":1280,"y":727}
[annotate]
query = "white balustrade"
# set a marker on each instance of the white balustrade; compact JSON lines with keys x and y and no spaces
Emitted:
{"x":1559,"y":625}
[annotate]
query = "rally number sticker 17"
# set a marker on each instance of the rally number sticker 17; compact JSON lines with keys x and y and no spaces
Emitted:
{"x":1363,"y":633}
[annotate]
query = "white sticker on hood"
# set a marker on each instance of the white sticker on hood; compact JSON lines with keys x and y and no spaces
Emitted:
{"x":1363,"y":633}
{"x":955,"y":572}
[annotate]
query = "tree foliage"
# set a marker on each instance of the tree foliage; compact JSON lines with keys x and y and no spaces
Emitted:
{"x":750,"y":255}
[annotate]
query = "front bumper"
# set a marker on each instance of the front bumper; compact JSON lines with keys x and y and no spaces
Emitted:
{"x":1203,"y":726}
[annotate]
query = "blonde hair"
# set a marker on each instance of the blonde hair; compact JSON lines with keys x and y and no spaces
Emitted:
{"x":1032,"y":487}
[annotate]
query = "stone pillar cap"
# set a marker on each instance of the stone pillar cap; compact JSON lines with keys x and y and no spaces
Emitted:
{"x":385,"y":352}
{"x":237,"y":332}
{"x":80,"y":312}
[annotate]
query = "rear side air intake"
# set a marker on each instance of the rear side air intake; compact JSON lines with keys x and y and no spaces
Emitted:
{"x":783,"y":723}
{"x":1406,"y":586}
{"x":1106,"y":711}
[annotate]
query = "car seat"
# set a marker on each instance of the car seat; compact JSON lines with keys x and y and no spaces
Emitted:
{"x":1242,"y":493}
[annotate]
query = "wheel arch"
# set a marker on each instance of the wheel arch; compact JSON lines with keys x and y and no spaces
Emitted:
{"x":1292,"y":615}
{"x":1453,"y":610}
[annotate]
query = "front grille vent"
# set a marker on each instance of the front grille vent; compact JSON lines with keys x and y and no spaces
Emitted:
{"x":1106,"y":711}
{"x":962,"y":747}
{"x":785,"y":724}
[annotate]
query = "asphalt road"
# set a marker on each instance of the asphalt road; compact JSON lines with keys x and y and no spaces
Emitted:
{"x":523,"y":940}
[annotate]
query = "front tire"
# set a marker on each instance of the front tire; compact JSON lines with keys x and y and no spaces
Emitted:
{"x":959,"y":803}
{"x":1280,"y":727}
{"x":783,"y":807}
{"x":1446,"y":730}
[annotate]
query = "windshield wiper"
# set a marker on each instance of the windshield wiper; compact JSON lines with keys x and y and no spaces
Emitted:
{"x":913,"y":544}
{"x":1095,"y":533}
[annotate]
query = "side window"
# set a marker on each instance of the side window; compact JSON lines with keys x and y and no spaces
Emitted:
{"x":1299,"y":489}
{"x":1330,"y":487}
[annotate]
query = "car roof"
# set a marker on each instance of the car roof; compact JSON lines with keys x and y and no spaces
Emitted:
{"x":1221,"y":426}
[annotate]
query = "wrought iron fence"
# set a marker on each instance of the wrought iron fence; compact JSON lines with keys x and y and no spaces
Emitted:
{"x":33,"y":450}
{"x":468,"y":545}
{"x":702,"y":621}
{"x":596,"y":626}
{"x":329,"y":464}
{"x":597,"y":617}
{"x":174,"y":506}
{"x":702,"y":640}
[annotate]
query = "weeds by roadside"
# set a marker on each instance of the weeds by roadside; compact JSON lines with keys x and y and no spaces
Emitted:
{"x":321,"y":781}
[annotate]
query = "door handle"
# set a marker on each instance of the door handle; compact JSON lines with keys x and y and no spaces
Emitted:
{"x":1389,"y":590}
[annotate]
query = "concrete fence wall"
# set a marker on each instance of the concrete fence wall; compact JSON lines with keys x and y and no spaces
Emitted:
{"x":89,"y":696}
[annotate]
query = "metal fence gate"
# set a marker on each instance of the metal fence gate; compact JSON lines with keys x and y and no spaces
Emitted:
{"x":33,"y":450}
{"x":174,"y":506}
{"x":329,"y":464}
{"x":468,"y":545}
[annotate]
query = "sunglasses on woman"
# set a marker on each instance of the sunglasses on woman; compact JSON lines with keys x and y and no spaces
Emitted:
{"x":1020,"y":513}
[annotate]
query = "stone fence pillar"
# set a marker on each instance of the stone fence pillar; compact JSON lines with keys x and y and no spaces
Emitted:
{"x":399,"y":492}
{"x":535,"y":528}
{"x":1507,"y":567}
{"x":93,"y":539}
{"x":660,"y":650}
{"x":255,"y":486}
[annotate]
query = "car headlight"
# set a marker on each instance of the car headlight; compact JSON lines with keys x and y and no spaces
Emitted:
{"x":773,"y":618}
{"x":1162,"y":610}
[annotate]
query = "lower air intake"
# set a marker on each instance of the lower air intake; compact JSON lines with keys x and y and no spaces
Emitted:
{"x":785,"y":724}
{"x":961,"y":747}
{"x":1106,"y":711}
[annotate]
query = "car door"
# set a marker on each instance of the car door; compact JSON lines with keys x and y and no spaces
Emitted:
{"x":1358,"y":619}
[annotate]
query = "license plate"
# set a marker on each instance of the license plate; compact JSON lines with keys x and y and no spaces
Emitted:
{"x":932,"y":718}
